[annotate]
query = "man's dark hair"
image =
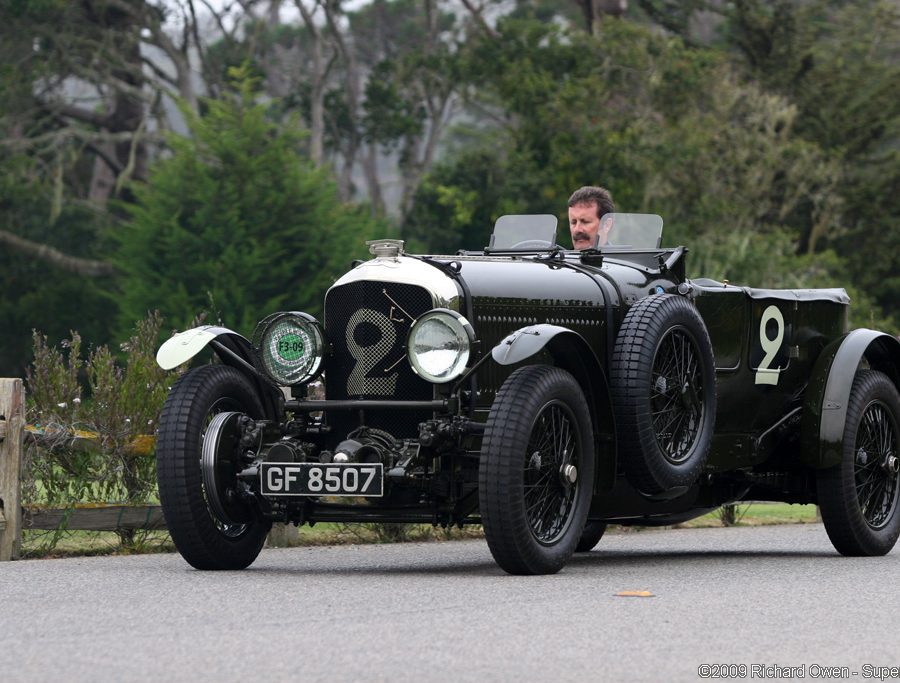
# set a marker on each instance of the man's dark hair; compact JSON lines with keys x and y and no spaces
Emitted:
{"x":591,"y":194}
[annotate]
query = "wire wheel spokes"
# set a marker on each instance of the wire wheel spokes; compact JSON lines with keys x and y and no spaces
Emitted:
{"x":875,"y":465}
{"x":549,"y":496}
{"x":676,"y":395}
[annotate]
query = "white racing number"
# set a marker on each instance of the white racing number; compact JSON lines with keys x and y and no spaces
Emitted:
{"x":368,"y":357}
{"x":770,"y":345}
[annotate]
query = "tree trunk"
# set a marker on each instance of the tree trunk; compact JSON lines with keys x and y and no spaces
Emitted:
{"x":103,"y":182}
{"x":317,"y":111}
{"x":352,"y":96}
{"x":129,"y":109}
{"x":370,"y":168}
{"x":317,"y":79}
{"x":594,"y":11}
{"x":273,"y":14}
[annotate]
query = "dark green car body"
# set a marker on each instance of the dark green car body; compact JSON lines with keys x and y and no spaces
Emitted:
{"x":776,"y":403}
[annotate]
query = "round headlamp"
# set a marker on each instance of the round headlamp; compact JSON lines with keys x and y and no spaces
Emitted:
{"x":438,"y":345}
{"x":290,"y":347}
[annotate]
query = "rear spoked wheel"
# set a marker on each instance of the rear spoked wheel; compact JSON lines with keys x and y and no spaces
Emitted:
{"x":860,"y":497}
{"x":537,"y":470}
{"x":590,"y":537}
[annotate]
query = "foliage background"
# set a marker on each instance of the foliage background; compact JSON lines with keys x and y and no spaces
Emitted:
{"x":236,"y":219}
{"x":185,"y":156}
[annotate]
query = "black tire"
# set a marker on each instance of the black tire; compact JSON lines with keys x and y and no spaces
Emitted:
{"x":538,"y":425}
{"x":590,"y":537}
{"x":860,"y":497}
{"x":664,"y":393}
{"x":204,"y":540}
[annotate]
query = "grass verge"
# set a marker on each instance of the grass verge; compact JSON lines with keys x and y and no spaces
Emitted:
{"x":50,"y":544}
{"x":757,"y":514}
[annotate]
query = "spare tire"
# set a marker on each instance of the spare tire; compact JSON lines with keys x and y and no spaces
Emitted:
{"x":664,"y":393}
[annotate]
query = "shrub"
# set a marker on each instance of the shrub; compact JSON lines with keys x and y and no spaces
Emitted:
{"x":238,"y":215}
{"x":96,"y":448}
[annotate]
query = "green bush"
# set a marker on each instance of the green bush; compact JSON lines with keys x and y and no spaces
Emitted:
{"x":96,"y":418}
{"x":237,"y":215}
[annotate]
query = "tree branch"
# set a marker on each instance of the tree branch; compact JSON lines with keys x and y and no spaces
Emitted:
{"x":218,"y":18}
{"x":181,"y":63}
{"x":57,"y":137}
{"x":476,"y":13}
{"x":44,"y":252}
{"x":158,"y":72}
{"x":108,"y":159}
{"x":195,"y":31}
{"x":85,"y":115}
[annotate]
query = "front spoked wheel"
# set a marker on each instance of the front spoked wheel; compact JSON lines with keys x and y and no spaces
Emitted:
{"x":197,"y":463}
{"x":860,"y":497}
{"x":537,"y":470}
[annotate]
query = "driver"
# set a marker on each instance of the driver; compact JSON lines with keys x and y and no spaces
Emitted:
{"x":587,"y":207}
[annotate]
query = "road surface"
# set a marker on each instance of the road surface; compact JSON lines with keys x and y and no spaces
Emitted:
{"x":768,"y":600}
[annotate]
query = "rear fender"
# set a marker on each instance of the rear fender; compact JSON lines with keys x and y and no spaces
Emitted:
{"x":232,"y":349}
{"x":828,"y":393}
{"x":572,"y":353}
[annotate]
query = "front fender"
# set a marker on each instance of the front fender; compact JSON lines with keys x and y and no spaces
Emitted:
{"x":181,"y":347}
{"x":572,"y":353}
{"x":525,"y":342}
{"x":828,"y":393}
{"x":233,"y":349}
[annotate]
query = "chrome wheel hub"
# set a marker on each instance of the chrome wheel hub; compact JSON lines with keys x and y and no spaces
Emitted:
{"x":568,"y":474}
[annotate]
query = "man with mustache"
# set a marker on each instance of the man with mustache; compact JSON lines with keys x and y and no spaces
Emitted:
{"x":587,"y":207}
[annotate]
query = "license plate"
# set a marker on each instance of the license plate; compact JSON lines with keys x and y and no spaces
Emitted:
{"x":318,"y":479}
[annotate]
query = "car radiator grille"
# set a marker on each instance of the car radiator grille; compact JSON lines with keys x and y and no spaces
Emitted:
{"x":367,"y":324}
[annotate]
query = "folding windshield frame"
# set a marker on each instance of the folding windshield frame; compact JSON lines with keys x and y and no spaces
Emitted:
{"x":537,"y":232}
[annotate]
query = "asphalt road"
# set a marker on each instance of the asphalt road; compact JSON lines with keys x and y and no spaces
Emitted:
{"x":764,"y":596}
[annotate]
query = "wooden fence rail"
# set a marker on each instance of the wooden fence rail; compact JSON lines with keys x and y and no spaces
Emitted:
{"x":83,"y":517}
{"x":14,"y":517}
{"x":94,"y":517}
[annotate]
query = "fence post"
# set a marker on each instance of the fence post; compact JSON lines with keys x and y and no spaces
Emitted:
{"x":283,"y":536}
{"x":12,"y":436}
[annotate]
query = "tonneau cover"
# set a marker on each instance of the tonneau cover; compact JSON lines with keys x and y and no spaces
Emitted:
{"x":836,"y":294}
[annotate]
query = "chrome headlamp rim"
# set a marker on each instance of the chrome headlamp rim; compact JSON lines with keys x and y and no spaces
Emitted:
{"x":464,"y":332}
{"x":306,"y":329}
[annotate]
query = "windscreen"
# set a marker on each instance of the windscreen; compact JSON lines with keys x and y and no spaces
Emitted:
{"x":618,"y":232}
{"x":630,"y":231}
{"x":532,"y":231}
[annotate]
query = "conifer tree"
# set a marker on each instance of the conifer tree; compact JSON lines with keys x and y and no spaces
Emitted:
{"x":236,"y":222}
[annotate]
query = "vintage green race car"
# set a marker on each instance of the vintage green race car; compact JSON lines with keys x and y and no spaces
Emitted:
{"x":538,"y":391}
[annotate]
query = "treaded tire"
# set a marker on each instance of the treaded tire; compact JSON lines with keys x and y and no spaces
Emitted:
{"x":203,"y":541}
{"x":590,"y":537}
{"x":664,"y":393}
{"x":860,"y":497}
{"x":532,"y":518}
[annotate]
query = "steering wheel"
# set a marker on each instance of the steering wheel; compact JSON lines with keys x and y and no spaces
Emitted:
{"x":532,"y":244}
